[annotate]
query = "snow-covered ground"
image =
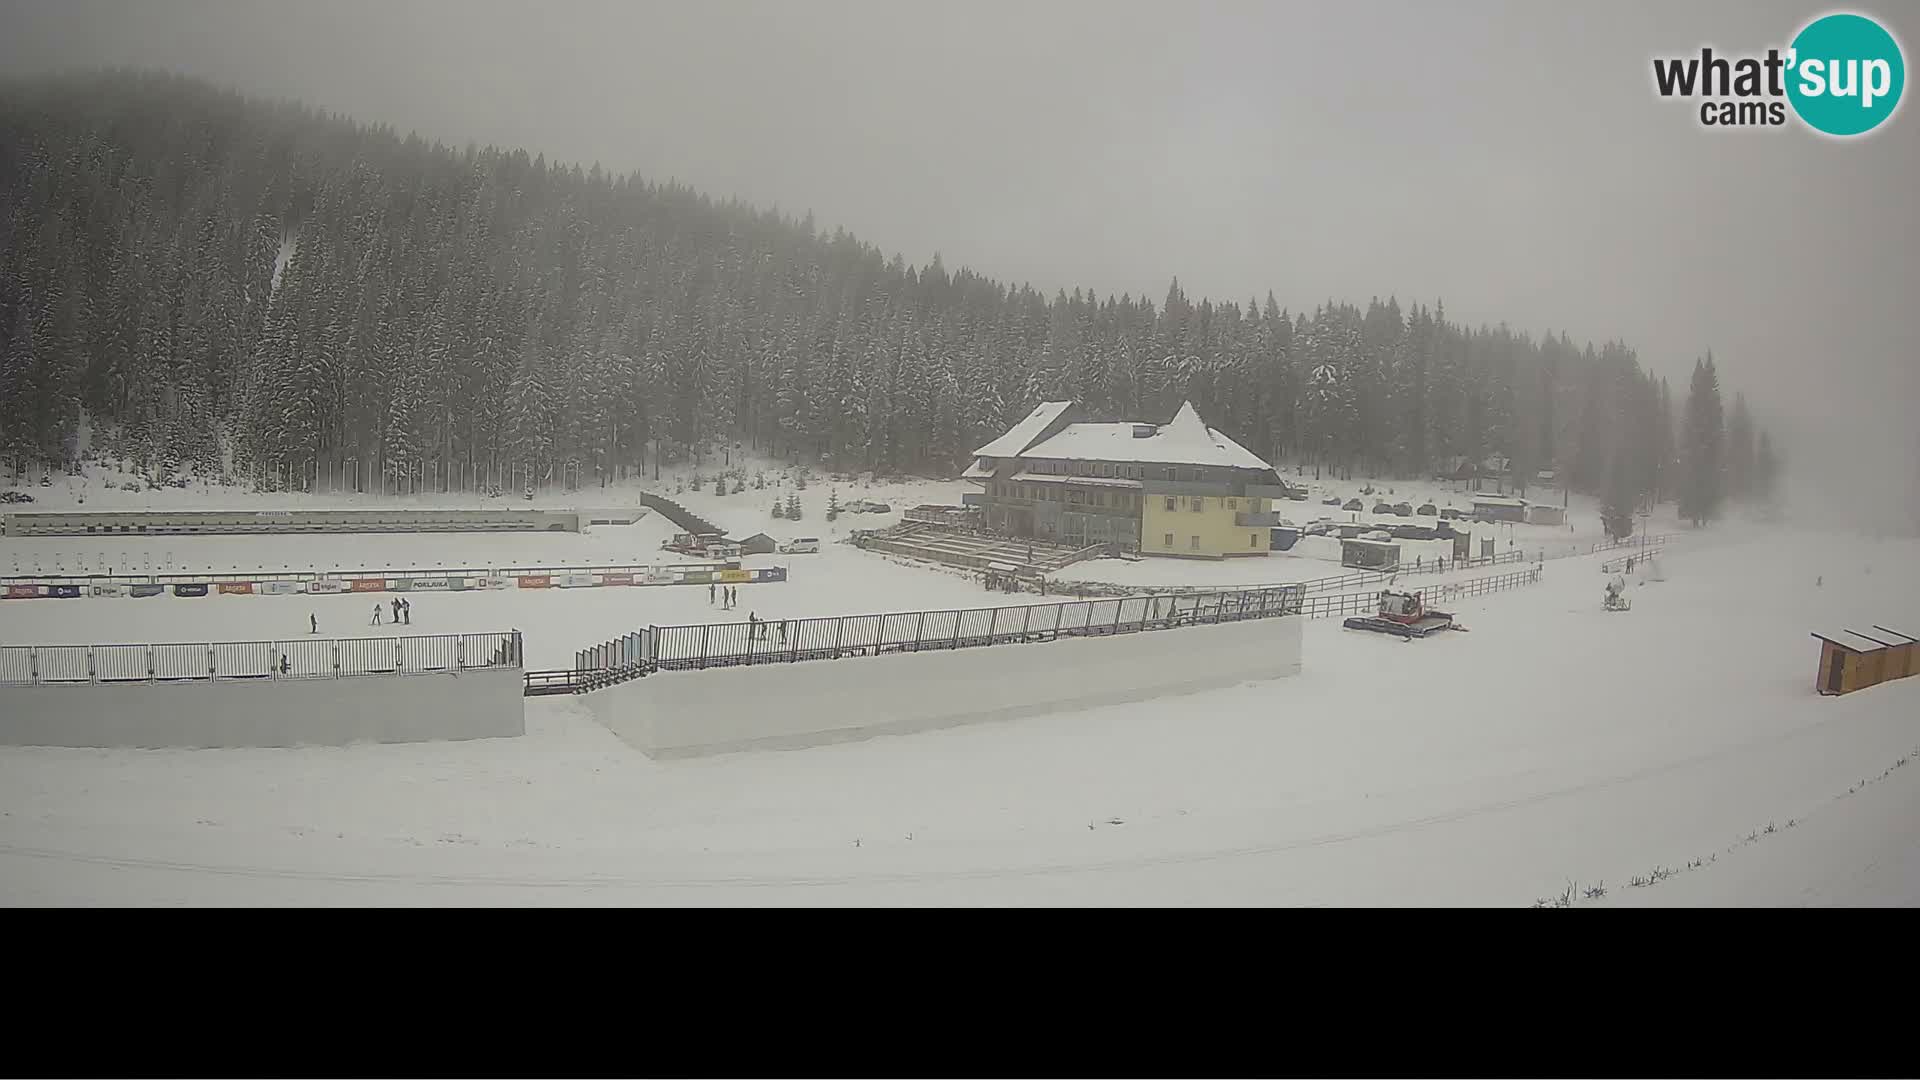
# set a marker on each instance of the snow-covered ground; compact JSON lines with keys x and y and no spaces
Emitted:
{"x":1554,"y":743}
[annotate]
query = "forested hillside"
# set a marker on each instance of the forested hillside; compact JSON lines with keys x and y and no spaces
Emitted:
{"x":224,"y":285}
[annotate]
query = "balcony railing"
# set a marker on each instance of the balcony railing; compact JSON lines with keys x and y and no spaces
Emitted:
{"x":1257,"y":519}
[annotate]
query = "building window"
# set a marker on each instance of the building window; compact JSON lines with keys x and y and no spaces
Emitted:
{"x":1073,"y":497}
{"x":1253,"y":540}
{"x":1171,"y":506}
{"x":1233,"y":504}
{"x":1168,"y":542}
{"x":1197,"y":503}
{"x":1193,"y":543}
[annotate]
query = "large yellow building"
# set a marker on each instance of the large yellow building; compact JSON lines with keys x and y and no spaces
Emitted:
{"x":1179,"y":488}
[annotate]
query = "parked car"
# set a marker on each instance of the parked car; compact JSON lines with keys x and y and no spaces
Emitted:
{"x":1426,"y":510}
{"x":1383,"y":508}
{"x":1334,"y":501}
{"x":1354,"y":504}
{"x":1453,"y":515}
{"x":1403,"y":509}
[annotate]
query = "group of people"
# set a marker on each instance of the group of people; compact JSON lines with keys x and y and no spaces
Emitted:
{"x":402,"y":612}
{"x":757,"y":628}
{"x":728,"y":596}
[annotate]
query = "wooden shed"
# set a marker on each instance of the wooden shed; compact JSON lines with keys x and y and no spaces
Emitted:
{"x":1903,"y":652}
{"x":1849,"y":662}
{"x":1369,"y":554}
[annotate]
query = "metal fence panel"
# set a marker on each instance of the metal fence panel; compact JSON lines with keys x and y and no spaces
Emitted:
{"x":367,"y":656}
{"x":16,"y":663}
{"x":244,"y":660}
{"x":180,"y":661}
{"x":63,"y":663}
{"x":307,"y":659}
{"x":423,"y":654}
{"x":121,"y":663}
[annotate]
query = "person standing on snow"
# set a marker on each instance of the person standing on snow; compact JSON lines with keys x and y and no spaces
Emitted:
{"x":313,"y":623}
{"x":710,"y":589}
{"x":376,"y":614}
{"x":406,"y":611}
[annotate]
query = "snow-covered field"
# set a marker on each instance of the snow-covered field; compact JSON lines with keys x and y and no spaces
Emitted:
{"x":1555,"y":743}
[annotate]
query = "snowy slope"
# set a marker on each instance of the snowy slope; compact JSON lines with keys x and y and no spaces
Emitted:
{"x":1553,"y":743}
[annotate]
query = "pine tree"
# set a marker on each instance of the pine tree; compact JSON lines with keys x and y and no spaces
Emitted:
{"x":1740,"y":451}
{"x":1616,"y":510}
{"x":833,"y":503}
{"x":1702,"y":476}
{"x":779,"y":510}
{"x":793,"y":507}
{"x":1766,"y":469}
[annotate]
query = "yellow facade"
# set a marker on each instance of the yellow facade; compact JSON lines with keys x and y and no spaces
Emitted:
{"x":1201,"y":526}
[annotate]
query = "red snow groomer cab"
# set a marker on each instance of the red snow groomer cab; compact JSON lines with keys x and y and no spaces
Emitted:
{"x":1403,"y":615}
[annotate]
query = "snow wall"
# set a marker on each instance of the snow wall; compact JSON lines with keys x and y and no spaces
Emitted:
{"x":473,"y":704}
{"x":784,"y":706}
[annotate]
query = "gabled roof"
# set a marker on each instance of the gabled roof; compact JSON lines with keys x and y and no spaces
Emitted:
{"x":1022,"y":435}
{"x":1184,"y":440}
{"x":1850,"y":641}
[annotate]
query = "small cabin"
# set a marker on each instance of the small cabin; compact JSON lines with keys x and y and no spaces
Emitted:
{"x":1496,"y":508}
{"x":1541,"y":514}
{"x":1851,"y":660}
{"x":1369,"y":554}
{"x":1903,"y":652}
{"x":759,"y":544}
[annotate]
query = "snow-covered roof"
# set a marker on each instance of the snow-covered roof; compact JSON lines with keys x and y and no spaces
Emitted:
{"x":1023,"y":433}
{"x":1847,"y":639}
{"x":1896,"y":633}
{"x":1091,"y":481}
{"x":1497,"y":500}
{"x":1184,"y":440}
{"x":1370,"y":543}
{"x":975,"y":472}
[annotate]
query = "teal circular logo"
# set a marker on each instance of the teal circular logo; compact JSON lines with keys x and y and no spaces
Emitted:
{"x":1845,"y":74}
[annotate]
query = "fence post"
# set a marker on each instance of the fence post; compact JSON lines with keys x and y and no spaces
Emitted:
{"x":704,"y":628}
{"x":149,"y":663}
{"x":336,"y":658}
{"x":839,"y":623}
{"x":273,"y":661}
{"x":209,"y":663}
{"x":396,"y":655}
{"x":919,"y":631}
{"x":92,"y":674}
{"x":460,"y":652}
{"x":993,"y":620}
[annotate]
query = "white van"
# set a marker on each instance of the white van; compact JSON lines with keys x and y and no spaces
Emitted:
{"x":800,"y":545}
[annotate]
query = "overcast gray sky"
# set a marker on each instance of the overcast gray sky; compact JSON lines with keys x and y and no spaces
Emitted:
{"x":1507,"y":157}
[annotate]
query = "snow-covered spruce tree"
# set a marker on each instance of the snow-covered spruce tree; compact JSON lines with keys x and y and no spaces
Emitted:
{"x":1701,"y":447}
{"x":833,"y":503}
{"x":779,"y":511}
{"x":1616,"y":509}
{"x":1740,"y":451}
{"x":793,"y":507}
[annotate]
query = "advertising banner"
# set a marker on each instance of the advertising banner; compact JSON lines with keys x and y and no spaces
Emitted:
{"x":326,"y":585}
{"x":616,"y":579}
{"x":540,"y":581}
{"x":236,"y":588}
{"x":731,"y":576}
{"x":577,"y":581}
{"x":146,"y":590}
{"x":494,"y":583}
{"x":22,"y":592}
{"x":198,"y":588}
{"x":371,"y":584}
{"x":63,"y":592}
{"x":109,"y":590}
{"x":428,"y":584}
{"x":279,"y":588}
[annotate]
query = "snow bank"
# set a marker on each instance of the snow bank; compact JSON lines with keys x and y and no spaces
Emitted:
{"x":477,"y":704}
{"x":677,"y":714}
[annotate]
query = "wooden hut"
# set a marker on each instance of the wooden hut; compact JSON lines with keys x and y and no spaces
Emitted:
{"x":1849,"y":662}
{"x":1369,"y":554}
{"x":1903,"y":652}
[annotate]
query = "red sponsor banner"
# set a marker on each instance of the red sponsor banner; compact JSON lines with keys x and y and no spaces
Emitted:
{"x":368,"y":584}
{"x":539,"y":581}
{"x":616,"y":579}
{"x":236,"y":588}
{"x":22,"y":592}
